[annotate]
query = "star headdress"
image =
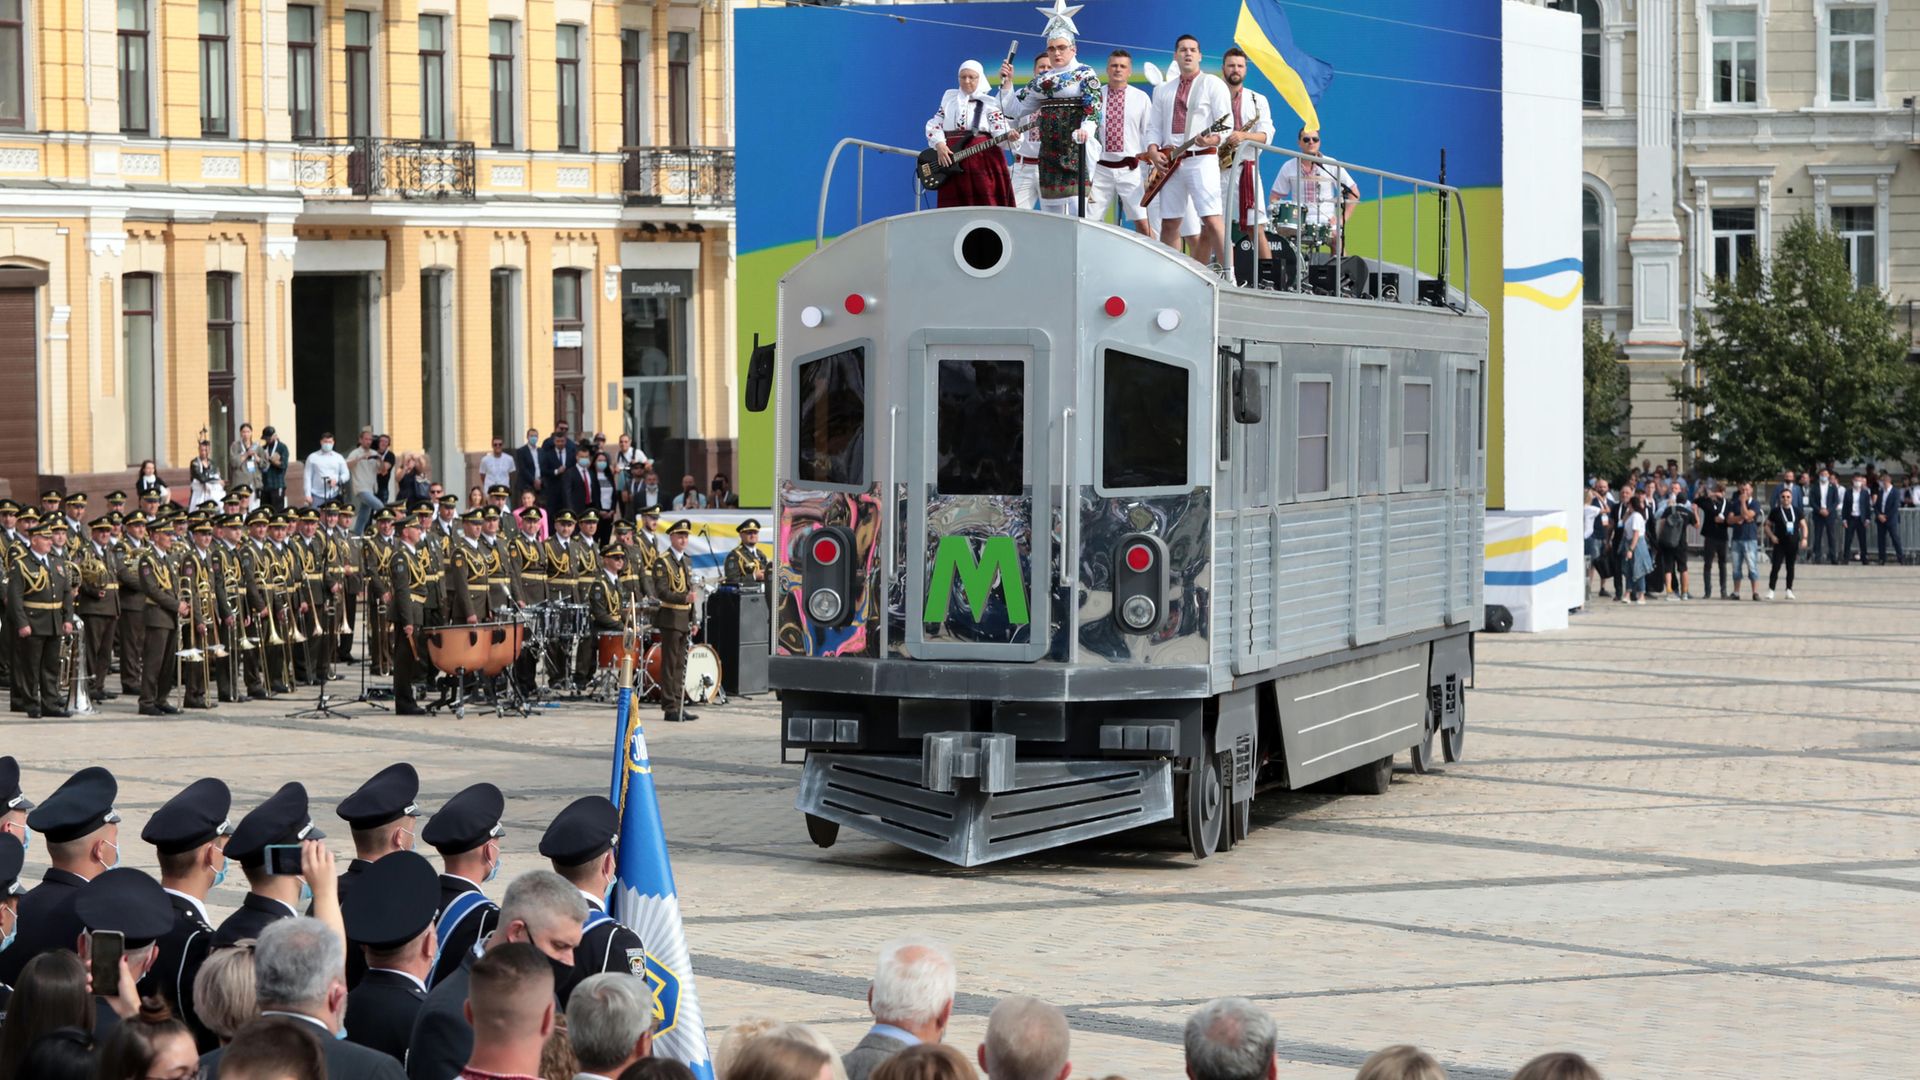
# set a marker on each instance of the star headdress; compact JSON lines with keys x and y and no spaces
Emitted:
{"x":1060,"y":21}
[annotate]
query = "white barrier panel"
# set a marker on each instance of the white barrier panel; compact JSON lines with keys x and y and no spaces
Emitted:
{"x":1527,"y":566}
{"x":715,"y":533}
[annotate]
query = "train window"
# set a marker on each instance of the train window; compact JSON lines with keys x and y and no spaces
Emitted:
{"x":1466,"y":395}
{"x":1313,"y":437}
{"x":833,"y":419}
{"x":1416,"y":433}
{"x":1373,"y":378}
{"x":982,"y":427}
{"x":1143,"y":423}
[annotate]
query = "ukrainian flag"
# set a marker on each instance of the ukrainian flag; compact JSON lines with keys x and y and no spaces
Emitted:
{"x":1263,"y":34}
{"x":645,"y":900}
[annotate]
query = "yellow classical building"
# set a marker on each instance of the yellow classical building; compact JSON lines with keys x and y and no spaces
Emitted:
{"x":447,"y":221}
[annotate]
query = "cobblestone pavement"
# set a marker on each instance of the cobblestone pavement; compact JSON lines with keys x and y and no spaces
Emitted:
{"x":1685,"y":842}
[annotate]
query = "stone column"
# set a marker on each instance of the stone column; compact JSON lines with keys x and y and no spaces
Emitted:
{"x":1656,"y":343}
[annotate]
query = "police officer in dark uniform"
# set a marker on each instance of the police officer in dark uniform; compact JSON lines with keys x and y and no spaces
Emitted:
{"x":747,"y":564}
{"x":128,"y":902}
{"x":383,"y":816}
{"x":581,"y":845}
{"x":390,"y":917}
{"x":466,"y":832}
{"x":83,"y":841}
{"x":189,"y":833}
{"x":281,"y":820}
{"x":14,"y":804}
{"x":12,"y":857}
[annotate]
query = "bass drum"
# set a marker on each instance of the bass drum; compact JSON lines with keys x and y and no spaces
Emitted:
{"x":703,"y":673}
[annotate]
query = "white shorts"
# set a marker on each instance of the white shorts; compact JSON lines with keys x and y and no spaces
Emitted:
{"x":1110,"y":185}
{"x":1026,"y":185}
{"x":1194,"y":186}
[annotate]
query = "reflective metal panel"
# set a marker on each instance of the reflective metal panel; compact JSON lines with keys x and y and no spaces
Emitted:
{"x":801,"y":511}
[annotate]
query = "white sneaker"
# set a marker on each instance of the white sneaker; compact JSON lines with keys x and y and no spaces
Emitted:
{"x":1789,"y":594}
{"x":1769,"y":594}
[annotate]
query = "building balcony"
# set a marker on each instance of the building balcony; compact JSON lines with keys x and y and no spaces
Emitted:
{"x":375,"y":168}
{"x":695,"y":176}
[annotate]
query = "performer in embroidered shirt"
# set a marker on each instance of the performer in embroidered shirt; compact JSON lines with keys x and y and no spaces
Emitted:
{"x":1069,"y":99}
{"x":1240,"y":188}
{"x":1117,"y":174}
{"x":969,"y":115}
{"x":1183,"y":106}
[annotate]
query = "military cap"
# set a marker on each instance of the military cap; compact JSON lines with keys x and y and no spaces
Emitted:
{"x":50,"y":495}
{"x":566,"y":518}
{"x":614,"y":551}
{"x":474,"y":517}
{"x":531,"y":513}
{"x":79,"y":806}
{"x":11,"y":797}
{"x":13,"y":856}
{"x":28,"y":516}
{"x":310,"y":514}
{"x":149,"y":496}
{"x":126,"y":900}
{"x":231,"y":497}
{"x":749,"y":526}
{"x":101,"y":522}
{"x":282,"y":819}
{"x":386,"y":797}
{"x":260,"y":517}
{"x":622,"y":525}
{"x":449,"y":499}
{"x":498,"y":489}
{"x":585,"y":830}
{"x":78,"y":498}
{"x":241,"y":490}
{"x":55,"y":524}
{"x":115,"y":517}
{"x":330,"y":507}
{"x":394,"y":901}
{"x":203,"y":526}
{"x":468,"y":820}
{"x":134,"y":520}
{"x":491,"y":513}
{"x":681,"y":526}
{"x":232,"y":521}
{"x":8,"y":506}
{"x":383,"y":516}
{"x":411,"y":521}
{"x":650,"y":510}
{"x":198,"y":815}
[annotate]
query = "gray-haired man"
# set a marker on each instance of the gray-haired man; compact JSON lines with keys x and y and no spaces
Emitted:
{"x":1231,"y":1039}
{"x":297,"y":966}
{"x":610,"y":1023}
{"x":911,"y":999}
{"x":1026,"y":1040}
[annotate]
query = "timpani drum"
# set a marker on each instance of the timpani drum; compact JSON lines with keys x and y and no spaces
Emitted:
{"x":474,"y":648}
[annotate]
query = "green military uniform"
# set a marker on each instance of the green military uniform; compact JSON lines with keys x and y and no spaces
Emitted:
{"x":39,"y":601}
{"x":673,"y":587}
{"x":161,"y":584}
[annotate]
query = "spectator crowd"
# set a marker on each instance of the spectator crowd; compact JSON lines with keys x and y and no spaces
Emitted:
{"x":1640,"y":535}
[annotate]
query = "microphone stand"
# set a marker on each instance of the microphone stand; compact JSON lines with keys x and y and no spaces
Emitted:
{"x":366,"y":620}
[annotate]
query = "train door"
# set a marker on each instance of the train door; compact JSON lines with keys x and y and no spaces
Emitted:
{"x":1467,"y":484}
{"x":1252,"y":515}
{"x":978,"y":478}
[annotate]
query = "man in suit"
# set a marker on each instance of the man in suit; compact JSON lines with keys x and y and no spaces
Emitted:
{"x":40,"y":609}
{"x":579,"y":488}
{"x":384,"y":820}
{"x":467,"y":833}
{"x":526,"y":465}
{"x":542,"y":909}
{"x":579,"y":844}
{"x":390,"y":916}
{"x":189,"y":834}
{"x":1886,"y":520}
{"x":911,"y":998}
{"x":1823,"y":510}
{"x":82,"y":832}
{"x":610,"y":1023}
{"x":556,"y":457}
{"x":281,"y":820}
{"x":297,"y":965}
{"x":1856,"y":509}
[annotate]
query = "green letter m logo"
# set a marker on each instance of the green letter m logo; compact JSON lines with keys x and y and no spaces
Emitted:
{"x":999,"y":557}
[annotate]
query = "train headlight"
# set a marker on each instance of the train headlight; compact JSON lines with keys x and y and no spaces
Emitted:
{"x":824,"y":605}
{"x":1138,"y":612}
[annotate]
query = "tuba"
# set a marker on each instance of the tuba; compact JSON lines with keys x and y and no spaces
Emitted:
{"x":74,"y":665}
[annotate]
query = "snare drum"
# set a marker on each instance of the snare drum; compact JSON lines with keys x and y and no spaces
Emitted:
{"x":612,"y":648}
{"x":1283,"y":219}
{"x":1316,"y":236}
{"x":702,"y":683}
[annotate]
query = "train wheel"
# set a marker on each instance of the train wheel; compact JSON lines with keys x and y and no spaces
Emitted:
{"x":1453,"y":742}
{"x":1422,"y":753}
{"x":1206,"y":806}
{"x":821,"y":831}
{"x":1371,"y":778}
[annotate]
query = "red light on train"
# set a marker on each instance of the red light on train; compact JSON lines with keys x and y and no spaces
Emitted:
{"x":1139,"y":558}
{"x":1116,"y":307}
{"x":856,"y":303}
{"x":826,"y":551}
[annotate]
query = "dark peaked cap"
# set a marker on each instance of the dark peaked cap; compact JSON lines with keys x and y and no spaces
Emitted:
{"x":282,"y":819}
{"x":191,"y":818}
{"x":79,"y":806}
{"x":386,"y":797}
{"x":468,"y":820}
{"x":395,"y":899}
{"x":585,"y":830}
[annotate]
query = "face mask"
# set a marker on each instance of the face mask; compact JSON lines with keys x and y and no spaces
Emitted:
{"x":492,"y":872}
{"x":7,"y":942}
{"x":116,"y":854}
{"x":220,"y":875}
{"x":561,"y":972}
{"x":606,"y":899}
{"x":327,"y":446}
{"x":26,"y":838}
{"x":306,"y":894}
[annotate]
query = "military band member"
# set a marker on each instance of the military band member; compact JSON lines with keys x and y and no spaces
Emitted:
{"x":132,"y":630}
{"x":40,"y":610}
{"x":586,"y":572}
{"x":376,"y":568}
{"x":446,"y":526}
{"x":468,"y":574}
{"x":50,"y":504}
{"x":606,"y":596}
{"x":558,"y":550}
{"x":283,"y":585}
{"x":343,"y":579}
{"x":412,"y":577}
{"x":580,"y":845}
{"x":649,"y":538}
{"x":506,"y":575}
{"x":166,"y":604}
{"x":315,"y":552}
{"x":673,"y":587}
{"x":467,"y":833}
{"x":529,"y":559}
{"x":497,"y":497}
{"x":202,"y":596}
{"x":74,"y":509}
{"x":12,"y":543}
{"x":189,"y":834}
{"x":96,"y":568}
{"x":747,"y":564}
{"x":634,"y":585}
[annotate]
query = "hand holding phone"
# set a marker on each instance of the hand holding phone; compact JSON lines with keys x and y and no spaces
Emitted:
{"x":283,"y":860}
{"x":105,"y":951}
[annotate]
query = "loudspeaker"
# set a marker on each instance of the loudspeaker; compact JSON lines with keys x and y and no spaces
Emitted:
{"x":1384,"y":286}
{"x":1433,"y":293}
{"x":737,"y":629}
{"x":1246,"y":261}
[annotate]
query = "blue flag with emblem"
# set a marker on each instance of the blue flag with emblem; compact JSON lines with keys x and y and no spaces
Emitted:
{"x":645,"y":901}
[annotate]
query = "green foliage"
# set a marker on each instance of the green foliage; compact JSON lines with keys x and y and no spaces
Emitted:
{"x":1606,"y":408}
{"x":1797,"y":364}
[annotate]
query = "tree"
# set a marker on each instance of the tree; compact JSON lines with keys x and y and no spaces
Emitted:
{"x":1608,"y":453}
{"x":1797,"y":364}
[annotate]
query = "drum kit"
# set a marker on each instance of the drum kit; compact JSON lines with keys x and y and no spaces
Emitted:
{"x":643,"y":648}
{"x":1285,"y":219}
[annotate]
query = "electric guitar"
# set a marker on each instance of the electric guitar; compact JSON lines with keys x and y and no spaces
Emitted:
{"x":932,"y":174}
{"x":1161,"y":174}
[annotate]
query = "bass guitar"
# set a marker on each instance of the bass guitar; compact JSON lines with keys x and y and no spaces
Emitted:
{"x":932,"y":174}
{"x":1163,"y":173}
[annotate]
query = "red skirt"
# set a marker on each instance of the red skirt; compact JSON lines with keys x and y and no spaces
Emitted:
{"x":983,"y":179}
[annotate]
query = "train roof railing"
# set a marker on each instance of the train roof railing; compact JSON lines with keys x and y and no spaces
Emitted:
{"x":1450,"y":198}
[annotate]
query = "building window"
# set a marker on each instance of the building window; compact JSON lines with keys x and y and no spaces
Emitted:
{"x":220,"y":362}
{"x":1416,"y":433}
{"x":569,"y":350}
{"x":504,"y":291}
{"x":1736,"y":238}
{"x":680,"y":89}
{"x":13,"y":63}
{"x":631,"y":51}
{"x":500,"y":80}
{"x":1852,"y":78}
{"x":433,"y":77}
{"x":1855,"y":226}
{"x":215,"y":117}
{"x":567,"y":73}
{"x":1313,"y":438}
{"x":301,"y":86}
{"x":359,"y":74}
{"x":135,"y":118}
{"x":1592,"y":244}
{"x":137,"y":343}
{"x":1735,"y":63}
{"x":1590,"y":54}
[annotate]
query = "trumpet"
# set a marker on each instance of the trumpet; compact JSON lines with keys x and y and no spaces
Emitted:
{"x":210,"y":631}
